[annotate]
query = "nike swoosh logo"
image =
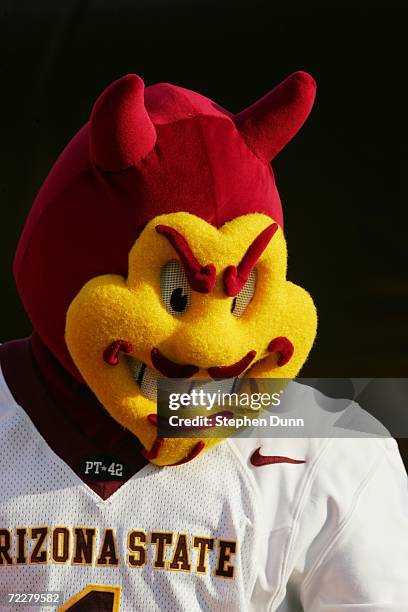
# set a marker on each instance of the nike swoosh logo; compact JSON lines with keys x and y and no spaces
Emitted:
{"x":259,"y":460}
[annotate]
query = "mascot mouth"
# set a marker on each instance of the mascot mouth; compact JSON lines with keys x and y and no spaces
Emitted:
{"x":170,"y":369}
{"x":147,"y":378}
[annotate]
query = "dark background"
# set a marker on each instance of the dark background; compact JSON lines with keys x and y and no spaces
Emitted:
{"x":340,"y":179}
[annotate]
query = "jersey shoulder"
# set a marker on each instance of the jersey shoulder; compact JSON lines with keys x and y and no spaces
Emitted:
{"x":291,"y":474}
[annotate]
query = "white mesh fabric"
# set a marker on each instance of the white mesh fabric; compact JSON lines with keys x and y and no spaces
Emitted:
{"x":241,"y":301}
{"x":289,"y":521}
{"x":38,"y":489}
{"x":172,"y":277}
{"x":149,"y":383}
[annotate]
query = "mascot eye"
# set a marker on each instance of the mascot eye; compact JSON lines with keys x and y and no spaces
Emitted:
{"x":241,"y":301}
{"x":175,"y":290}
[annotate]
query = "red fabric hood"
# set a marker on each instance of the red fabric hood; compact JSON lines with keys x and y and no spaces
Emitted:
{"x":146,"y":152}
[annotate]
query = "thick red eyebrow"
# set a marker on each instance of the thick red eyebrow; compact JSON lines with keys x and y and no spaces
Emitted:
{"x":200,"y":278}
{"x":235,"y":277}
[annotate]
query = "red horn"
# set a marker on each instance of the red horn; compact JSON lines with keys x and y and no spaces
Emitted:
{"x":121,"y":132}
{"x":269,"y":124}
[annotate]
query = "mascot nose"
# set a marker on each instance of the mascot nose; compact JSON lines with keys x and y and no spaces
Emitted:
{"x":211,"y":345}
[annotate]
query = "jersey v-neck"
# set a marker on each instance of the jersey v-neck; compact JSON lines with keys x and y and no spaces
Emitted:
{"x":67,"y":414}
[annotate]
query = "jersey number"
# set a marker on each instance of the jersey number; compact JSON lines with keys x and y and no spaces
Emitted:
{"x":94,"y":598}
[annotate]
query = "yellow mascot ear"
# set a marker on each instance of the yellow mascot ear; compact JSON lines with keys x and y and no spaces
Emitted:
{"x":299,"y":323}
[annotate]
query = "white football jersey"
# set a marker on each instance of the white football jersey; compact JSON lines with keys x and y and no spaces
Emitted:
{"x":218,"y":533}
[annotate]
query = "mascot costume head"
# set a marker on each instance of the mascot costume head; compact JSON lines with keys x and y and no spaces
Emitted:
{"x":156,"y":248}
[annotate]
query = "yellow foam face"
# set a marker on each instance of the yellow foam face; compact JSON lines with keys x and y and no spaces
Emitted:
{"x":207,"y":334}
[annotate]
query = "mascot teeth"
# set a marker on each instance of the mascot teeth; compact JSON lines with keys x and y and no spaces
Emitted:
{"x":147,"y":380}
{"x":145,"y":377}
